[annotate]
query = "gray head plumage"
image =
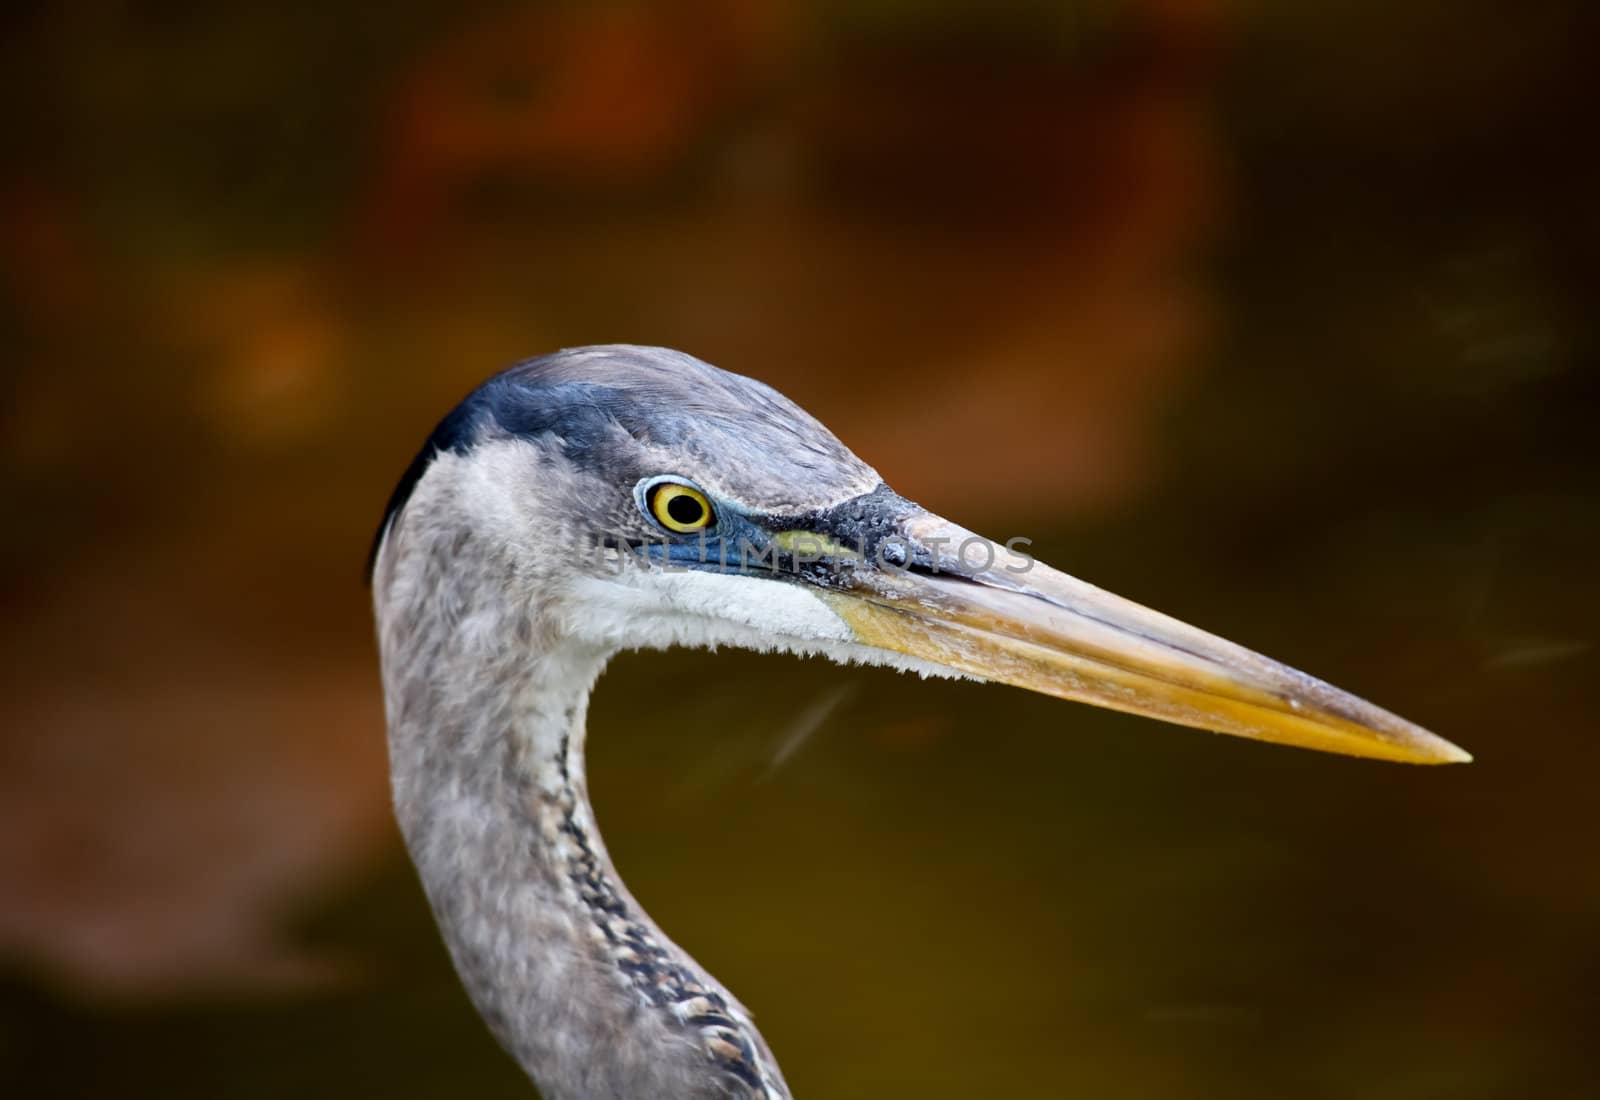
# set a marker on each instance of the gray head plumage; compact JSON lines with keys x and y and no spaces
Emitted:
{"x":611,"y":414}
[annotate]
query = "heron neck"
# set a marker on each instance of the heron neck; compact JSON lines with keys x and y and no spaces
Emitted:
{"x":486,"y":742}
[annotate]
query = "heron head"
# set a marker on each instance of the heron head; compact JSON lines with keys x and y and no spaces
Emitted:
{"x":640,"y":497}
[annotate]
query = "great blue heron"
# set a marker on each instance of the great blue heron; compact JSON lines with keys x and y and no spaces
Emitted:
{"x":618,"y":497}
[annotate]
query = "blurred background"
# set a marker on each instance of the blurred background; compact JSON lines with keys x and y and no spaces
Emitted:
{"x":1279,"y":317}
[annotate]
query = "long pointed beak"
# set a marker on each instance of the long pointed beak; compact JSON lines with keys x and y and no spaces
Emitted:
{"x":1034,"y":627}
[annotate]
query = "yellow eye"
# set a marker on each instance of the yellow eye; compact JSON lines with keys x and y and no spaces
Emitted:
{"x":680,"y":508}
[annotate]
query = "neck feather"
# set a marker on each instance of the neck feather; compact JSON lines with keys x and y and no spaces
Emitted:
{"x":486,"y":716}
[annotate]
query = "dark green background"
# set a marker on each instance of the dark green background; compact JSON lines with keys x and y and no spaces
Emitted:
{"x":1371,"y":456}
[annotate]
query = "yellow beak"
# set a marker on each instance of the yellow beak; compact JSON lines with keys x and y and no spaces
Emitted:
{"x":1030,"y":626}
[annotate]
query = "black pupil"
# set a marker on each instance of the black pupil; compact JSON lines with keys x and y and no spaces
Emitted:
{"x":684,"y":509}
